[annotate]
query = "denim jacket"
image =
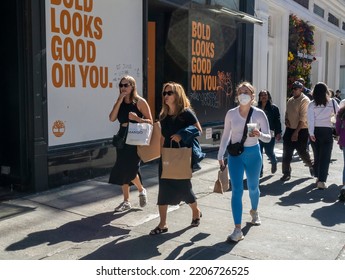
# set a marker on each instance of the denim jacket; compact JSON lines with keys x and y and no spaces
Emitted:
{"x":188,"y":137}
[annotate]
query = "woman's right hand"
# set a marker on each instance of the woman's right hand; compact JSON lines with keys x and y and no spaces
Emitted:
{"x":221,"y":164}
{"x":121,"y":96}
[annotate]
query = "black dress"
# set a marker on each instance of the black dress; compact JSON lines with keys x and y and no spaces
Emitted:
{"x":173,"y":191}
{"x":127,"y":162}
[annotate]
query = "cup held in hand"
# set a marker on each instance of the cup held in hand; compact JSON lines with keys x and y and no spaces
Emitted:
{"x":251,"y":127}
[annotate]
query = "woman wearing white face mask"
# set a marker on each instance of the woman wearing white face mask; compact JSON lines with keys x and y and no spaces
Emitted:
{"x":250,"y":160}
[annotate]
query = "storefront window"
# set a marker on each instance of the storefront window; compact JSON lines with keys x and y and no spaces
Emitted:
{"x":234,"y":4}
{"x":304,"y":3}
{"x":319,"y":11}
{"x":333,"y":19}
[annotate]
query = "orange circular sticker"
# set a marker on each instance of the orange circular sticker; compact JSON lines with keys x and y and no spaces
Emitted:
{"x":58,"y":128}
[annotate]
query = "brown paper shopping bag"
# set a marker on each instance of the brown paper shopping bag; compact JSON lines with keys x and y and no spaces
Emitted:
{"x":176,"y":163}
{"x":152,"y":151}
{"x":222,"y":183}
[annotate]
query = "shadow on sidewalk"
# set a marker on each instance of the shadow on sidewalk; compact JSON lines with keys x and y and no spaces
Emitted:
{"x":330,"y":215}
{"x":147,"y":247}
{"x":141,"y":248}
{"x":278,"y":188}
{"x":212,"y":252}
{"x":309,"y":195}
{"x":86,"y":229}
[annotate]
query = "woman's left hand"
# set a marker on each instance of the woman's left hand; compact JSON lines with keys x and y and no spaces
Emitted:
{"x":255,"y":133}
{"x":176,"y":138}
{"x":133,"y":116}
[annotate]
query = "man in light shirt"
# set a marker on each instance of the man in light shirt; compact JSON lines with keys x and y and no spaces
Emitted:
{"x":296,"y":132}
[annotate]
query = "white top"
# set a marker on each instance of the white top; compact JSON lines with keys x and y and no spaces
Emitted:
{"x":320,"y":116}
{"x":342,"y":103}
{"x":234,"y":125}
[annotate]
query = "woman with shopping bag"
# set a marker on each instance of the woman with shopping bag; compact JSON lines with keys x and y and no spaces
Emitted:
{"x":128,"y":108}
{"x":175,"y":116}
{"x":244,"y":126}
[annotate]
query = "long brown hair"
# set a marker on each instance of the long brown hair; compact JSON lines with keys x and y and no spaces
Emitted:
{"x":134,"y":96}
{"x":320,"y":93}
{"x":181,"y":101}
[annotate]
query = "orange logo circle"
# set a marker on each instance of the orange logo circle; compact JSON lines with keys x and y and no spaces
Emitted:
{"x":58,"y":128}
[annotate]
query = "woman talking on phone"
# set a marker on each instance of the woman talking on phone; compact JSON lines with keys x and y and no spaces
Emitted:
{"x":249,"y":160}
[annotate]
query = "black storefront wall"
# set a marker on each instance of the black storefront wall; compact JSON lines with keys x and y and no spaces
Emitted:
{"x":14,"y":145}
{"x":23,"y":108}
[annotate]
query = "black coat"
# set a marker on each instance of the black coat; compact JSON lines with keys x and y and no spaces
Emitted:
{"x":273,"y":116}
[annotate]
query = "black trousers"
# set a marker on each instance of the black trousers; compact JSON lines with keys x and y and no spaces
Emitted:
{"x":289,"y":147}
{"x":322,"y":149}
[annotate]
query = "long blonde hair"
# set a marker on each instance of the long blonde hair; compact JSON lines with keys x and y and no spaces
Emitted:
{"x":181,"y":100}
{"x":134,"y":96}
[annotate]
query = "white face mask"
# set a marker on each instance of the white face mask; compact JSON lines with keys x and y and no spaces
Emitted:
{"x":244,"y":99}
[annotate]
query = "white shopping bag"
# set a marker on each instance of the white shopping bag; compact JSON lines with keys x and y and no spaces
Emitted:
{"x":139,"y":134}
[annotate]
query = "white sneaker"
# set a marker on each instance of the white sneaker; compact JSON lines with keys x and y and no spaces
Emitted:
{"x":236,"y":236}
{"x":255,"y":217}
{"x":124,"y":206}
{"x":321,"y":185}
{"x":143,"y":198}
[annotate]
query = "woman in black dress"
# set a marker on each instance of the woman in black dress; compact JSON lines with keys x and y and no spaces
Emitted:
{"x":129,"y":107}
{"x":176,"y":114}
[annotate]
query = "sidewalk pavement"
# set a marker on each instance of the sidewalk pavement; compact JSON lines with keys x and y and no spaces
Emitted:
{"x":77,"y":221}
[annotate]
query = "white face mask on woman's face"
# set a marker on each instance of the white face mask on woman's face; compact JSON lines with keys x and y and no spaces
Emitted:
{"x":244,"y":99}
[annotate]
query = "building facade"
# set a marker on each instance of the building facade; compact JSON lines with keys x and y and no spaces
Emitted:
{"x":64,"y":60}
{"x":271,"y":44}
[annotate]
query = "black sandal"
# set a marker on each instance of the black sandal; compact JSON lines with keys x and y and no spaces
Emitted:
{"x":196,"y":222}
{"x":158,"y":230}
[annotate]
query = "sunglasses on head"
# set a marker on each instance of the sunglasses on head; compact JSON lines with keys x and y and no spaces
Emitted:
{"x":169,"y":93}
{"x":124,"y":85}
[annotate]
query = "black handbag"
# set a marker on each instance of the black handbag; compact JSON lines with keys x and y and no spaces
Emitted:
{"x":237,"y":148}
{"x":119,"y":140}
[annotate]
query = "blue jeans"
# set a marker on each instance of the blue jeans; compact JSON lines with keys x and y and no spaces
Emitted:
{"x":269,"y":150}
{"x":249,"y":161}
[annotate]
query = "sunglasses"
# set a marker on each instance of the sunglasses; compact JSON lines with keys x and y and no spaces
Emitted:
{"x":169,"y":93}
{"x":124,"y":85}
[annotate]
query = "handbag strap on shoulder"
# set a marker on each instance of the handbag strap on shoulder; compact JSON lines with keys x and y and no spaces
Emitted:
{"x":245,"y":130}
